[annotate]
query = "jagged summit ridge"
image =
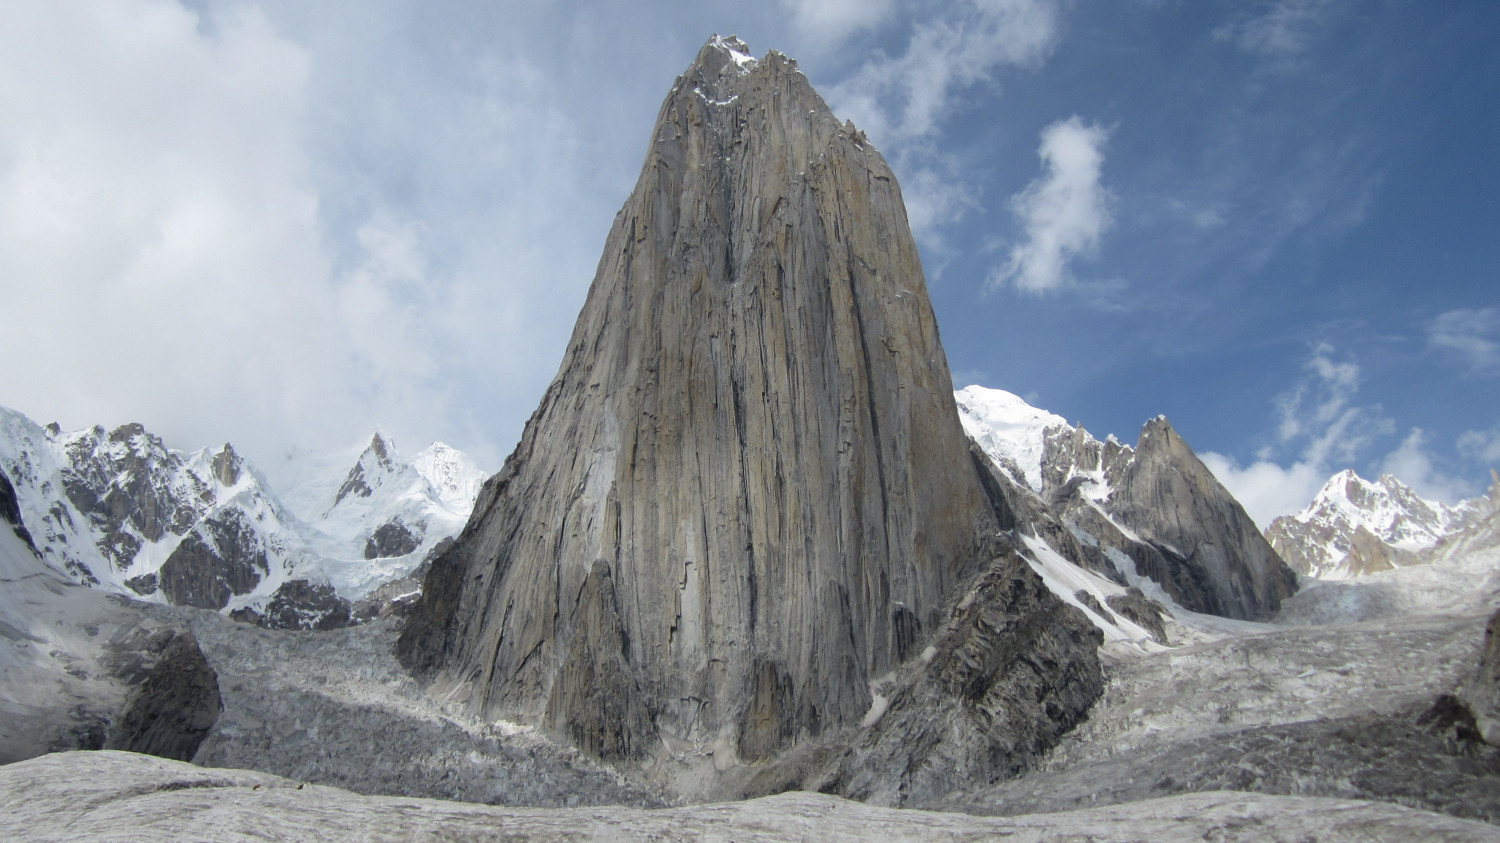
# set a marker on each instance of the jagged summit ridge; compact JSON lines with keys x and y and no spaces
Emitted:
{"x":747,"y":493}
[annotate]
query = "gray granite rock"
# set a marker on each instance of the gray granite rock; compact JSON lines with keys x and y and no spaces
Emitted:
{"x":747,"y":494}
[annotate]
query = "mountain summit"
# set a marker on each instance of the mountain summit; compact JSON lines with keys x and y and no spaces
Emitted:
{"x":747,"y":493}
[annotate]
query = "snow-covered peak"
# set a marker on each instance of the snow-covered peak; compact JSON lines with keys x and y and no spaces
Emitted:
{"x":1341,"y":533}
{"x":1005,"y":425}
{"x":738,"y":52}
{"x":1387,"y":507}
{"x":379,"y":465}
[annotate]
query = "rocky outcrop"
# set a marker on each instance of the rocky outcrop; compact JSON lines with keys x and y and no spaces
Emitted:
{"x":221,"y":558}
{"x":1142,"y":610}
{"x":746,"y":494}
{"x":300,"y":604}
{"x":1010,"y":672}
{"x":393,"y":538}
{"x":175,"y":704}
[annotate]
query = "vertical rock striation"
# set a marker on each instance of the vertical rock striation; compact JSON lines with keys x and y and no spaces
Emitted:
{"x":746,"y":493}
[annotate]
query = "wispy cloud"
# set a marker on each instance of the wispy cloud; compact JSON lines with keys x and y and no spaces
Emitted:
{"x":1319,"y":422}
{"x":1471,"y":336}
{"x":1278,"y":29}
{"x":1063,"y":212}
{"x":1481,"y":446}
{"x":900,"y":100}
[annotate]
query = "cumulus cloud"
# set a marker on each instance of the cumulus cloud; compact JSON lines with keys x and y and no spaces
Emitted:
{"x":1470,"y":336}
{"x":827,"y":22}
{"x":1063,"y":212}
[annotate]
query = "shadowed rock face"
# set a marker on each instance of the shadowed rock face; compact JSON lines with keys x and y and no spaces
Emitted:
{"x":1216,"y":559}
{"x":747,"y":492}
{"x":10,"y":511}
{"x":177,"y":701}
{"x":1482,"y":691}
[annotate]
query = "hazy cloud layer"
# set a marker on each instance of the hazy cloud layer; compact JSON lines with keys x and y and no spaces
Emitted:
{"x":1063,"y":212}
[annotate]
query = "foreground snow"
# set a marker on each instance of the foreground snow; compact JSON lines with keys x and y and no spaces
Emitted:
{"x":101,"y":795}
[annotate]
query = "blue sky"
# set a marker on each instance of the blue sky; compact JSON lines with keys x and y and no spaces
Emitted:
{"x":283,"y":224}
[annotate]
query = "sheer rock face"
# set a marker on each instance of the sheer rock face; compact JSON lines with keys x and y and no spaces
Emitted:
{"x":747,"y":491}
{"x":1165,"y":510}
{"x":1218,"y":562}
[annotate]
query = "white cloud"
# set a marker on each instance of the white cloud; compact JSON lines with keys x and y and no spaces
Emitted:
{"x":900,"y":100}
{"x":1281,"y":29}
{"x":1266,"y":489}
{"x":1064,"y":211}
{"x":159,"y":234}
{"x":284,"y":226}
{"x":828,"y":22}
{"x":1473,"y":336}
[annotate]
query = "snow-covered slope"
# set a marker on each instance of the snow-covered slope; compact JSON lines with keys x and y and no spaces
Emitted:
{"x":120,"y":510}
{"x":1355,"y":527}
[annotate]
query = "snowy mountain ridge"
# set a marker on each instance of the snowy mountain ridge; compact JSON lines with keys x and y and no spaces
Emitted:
{"x":1149,"y":519}
{"x":121,"y":511}
{"x":1355,"y":527}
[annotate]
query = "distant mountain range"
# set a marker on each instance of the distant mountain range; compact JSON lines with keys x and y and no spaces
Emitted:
{"x":1355,"y":527}
{"x":122,"y":511}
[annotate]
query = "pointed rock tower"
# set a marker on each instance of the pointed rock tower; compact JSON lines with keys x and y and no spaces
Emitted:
{"x":747,"y":493}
